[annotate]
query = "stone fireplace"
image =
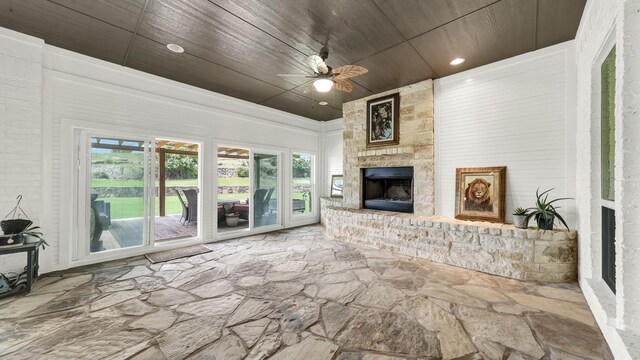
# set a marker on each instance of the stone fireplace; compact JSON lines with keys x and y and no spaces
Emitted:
{"x":389,"y":189}
{"x":415,"y":151}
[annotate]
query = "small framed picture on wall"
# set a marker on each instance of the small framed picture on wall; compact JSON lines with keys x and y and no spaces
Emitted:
{"x":480,"y":193}
{"x":337,"y":184}
{"x":382,"y":121}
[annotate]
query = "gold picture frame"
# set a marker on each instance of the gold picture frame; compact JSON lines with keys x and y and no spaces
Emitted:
{"x":480,"y":193}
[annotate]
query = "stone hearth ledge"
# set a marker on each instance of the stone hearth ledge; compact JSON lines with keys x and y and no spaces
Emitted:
{"x":500,"y":249}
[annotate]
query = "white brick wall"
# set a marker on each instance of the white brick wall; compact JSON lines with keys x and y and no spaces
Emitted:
{"x":605,"y":23}
{"x":20,"y":130}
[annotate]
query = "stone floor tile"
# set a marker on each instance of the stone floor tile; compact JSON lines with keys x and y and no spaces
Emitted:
{"x":483,"y":293}
{"x":113,"y":299}
{"x":64,"y":284}
{"x":155,"y":322}
{"x":567,"y":336}
{"x":223,"y":305}
{"x":335,"y":316}
{"x":454,"y":341}
{"x":265,"y":347}
{"x":182,"y":339}
{"x":558,"y":307}
{"x":213,"y":289}
{"x":251,"y":309}
{"x":380,"y":296}
{"x":140,"y":270}
{"x":228,"y":347}
{"x":311,"y":348}
{"x":251,"y":331}
{"x":508,"y":330}
{"x":390,"y":332}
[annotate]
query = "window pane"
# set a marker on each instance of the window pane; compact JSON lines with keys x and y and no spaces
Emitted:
{"x":608,"y":142}
{"x":302,"y":183}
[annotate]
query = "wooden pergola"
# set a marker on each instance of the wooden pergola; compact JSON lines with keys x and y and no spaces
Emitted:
{"x":164,"y":147}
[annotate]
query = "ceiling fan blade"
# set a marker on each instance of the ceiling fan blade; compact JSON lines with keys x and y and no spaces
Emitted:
{"x":347,"y":71}
{"x":343,"y":85}
{"x":295,"y":75}
{"x":316,"y":64}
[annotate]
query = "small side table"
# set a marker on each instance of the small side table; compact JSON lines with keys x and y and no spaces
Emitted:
{"x":33,"y":251}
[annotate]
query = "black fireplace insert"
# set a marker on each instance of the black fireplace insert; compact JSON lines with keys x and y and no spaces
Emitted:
{"x":389,"y":189}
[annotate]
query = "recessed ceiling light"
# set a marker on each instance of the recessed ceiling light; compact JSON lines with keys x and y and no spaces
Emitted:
{"x":175,"y":48}
{"x":457,"y":61}
{"x":323,"y":103}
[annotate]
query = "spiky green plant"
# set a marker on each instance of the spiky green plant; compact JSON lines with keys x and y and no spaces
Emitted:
{"x":35,"y":232}
{"x":544,"y":212}
{"x":520,"y":211}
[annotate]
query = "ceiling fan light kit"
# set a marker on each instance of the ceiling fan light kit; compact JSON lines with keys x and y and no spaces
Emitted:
{"x":323,"y":85}
{"x":328,"y":78}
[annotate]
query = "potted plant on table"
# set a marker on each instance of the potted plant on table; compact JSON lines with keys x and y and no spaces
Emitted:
{"x":545,"y":212}
{"x":520,"y":219}
{"x":232,"y":218}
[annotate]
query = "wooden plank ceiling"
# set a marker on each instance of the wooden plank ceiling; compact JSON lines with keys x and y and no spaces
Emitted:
{"x":237,"y":47}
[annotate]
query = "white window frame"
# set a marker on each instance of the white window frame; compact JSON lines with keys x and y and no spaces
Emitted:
{"x":296,"y":217}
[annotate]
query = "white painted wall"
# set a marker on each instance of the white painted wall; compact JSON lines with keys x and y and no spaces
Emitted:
{"x":516,"y":113}
{"x":605,"y":23}
{"x":332,"y":152}
{"x":20,"y":130}
{"x":46,"y":92}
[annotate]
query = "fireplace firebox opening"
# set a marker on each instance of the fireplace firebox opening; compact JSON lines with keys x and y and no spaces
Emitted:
{"x":389,"y":189}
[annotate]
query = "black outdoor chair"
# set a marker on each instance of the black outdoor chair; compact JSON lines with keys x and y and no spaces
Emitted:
{"x":185,"y":208}
{"x":192,"y":204}
{"x":258,"y":201}
{"x":267,"y":198}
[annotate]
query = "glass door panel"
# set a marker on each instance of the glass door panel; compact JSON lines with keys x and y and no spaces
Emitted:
{"x":176,"y":191}
{"x":266,"y":204}
{"x":234,"y":195}
{"x":118,"y":204}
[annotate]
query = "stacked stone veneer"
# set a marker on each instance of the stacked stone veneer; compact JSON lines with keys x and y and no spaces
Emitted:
{"x":498,"y":249}
{"x":415,"y":147}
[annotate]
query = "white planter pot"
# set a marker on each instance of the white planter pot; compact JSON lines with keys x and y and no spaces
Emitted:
{"x":28,"y":239}
{"x":520,"y":221}
{"x":232,"y":220}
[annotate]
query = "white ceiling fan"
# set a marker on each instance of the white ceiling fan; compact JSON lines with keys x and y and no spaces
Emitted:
{"x":328,"y":77}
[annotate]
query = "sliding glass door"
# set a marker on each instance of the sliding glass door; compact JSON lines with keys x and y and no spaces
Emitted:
{"x":114,"y":198}
{"x":266,"y":183}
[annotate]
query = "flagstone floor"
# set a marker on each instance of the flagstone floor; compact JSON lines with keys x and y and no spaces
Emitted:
{"x":295,"y":295}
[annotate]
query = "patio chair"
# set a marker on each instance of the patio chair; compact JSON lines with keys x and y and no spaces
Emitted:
{"x":185,"y":209}
{"x":258,"y":200}
{"x":192,"y":203}
{"x":267,"y":198}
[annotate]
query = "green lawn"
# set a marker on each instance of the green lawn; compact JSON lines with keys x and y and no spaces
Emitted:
{"x":181,"y":182}
{"x":132,"y":207}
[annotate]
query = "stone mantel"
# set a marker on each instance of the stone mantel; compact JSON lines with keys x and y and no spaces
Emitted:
{"x":500,"y":249}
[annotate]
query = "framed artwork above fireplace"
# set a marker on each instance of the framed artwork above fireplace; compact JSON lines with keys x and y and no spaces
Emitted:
{"x":480,"y":193}
{"x":382,"y":121}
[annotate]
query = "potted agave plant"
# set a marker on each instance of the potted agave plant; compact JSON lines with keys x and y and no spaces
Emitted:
{"x":520,"y":219}
{"x":545,"y":212}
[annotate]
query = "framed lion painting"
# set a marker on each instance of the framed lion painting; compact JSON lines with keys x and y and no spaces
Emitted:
{"x":480,"y":193}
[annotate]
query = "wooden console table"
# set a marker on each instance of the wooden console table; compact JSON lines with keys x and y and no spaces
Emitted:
{"x":32,"y":250}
